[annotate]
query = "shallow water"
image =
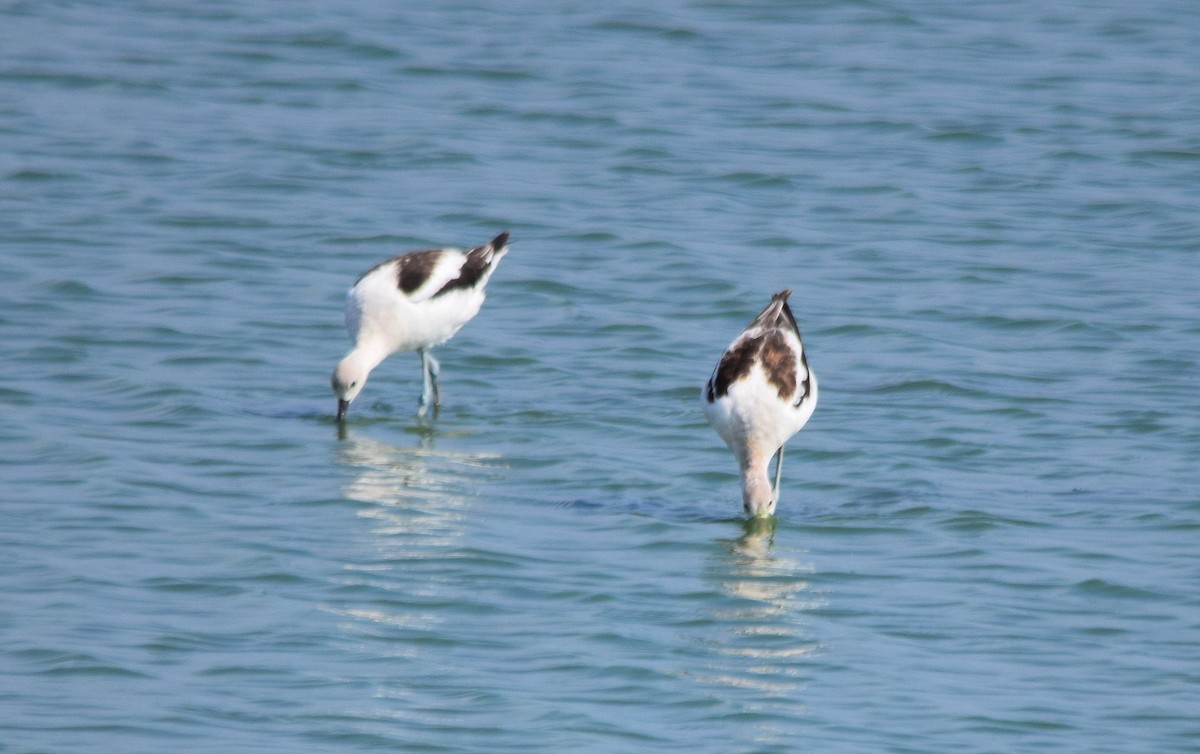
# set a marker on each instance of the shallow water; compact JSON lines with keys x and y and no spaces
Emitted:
{"x":986,"y":542}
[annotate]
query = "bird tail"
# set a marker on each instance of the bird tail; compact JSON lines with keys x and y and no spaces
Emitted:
{"x":483,"y":257}
{"x":499,"y":242}
{"x":776,"y":314}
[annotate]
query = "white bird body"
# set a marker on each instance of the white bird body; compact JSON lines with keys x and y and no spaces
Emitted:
{"x":412,"y":302}
{"x":379,"y":315}
{"x":761,"y":393}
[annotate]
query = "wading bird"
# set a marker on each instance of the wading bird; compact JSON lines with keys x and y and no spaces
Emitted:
{"x":412,"y":302}
{"x":760,"y":394}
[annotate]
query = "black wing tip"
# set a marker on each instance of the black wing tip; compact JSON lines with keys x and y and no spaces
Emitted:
{"x":500,"y":241}
{"x":782,"y":295}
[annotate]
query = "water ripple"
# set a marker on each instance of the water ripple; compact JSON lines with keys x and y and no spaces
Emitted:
{"x":986,"y":215}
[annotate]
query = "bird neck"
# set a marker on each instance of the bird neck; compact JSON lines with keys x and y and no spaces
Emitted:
{"x":757,"y":495}
{"x":367,"y":354}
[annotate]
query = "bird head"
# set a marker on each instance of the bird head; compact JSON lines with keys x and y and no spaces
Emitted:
{"x":348,"y":380}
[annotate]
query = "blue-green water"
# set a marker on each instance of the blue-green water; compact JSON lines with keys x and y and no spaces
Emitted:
{"x":987,"y":539}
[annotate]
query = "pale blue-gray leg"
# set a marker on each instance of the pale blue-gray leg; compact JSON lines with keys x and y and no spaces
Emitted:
{"x":430,"y":392}
{"x":435,"y":369}
{"x":778,"y":472}
{"x":426,"y":383}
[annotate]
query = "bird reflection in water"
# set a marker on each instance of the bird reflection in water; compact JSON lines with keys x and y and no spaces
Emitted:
{"x":416,"y":501}
{"x":758,"y":639}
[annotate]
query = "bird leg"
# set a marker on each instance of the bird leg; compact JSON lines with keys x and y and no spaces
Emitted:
{"x":435,"y":369}
{"x":426,"y":386}
{"x":778,"y":473}
{"x":429,"y":378}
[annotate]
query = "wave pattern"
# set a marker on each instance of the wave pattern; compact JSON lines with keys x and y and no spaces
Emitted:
{"x":987,"y":215}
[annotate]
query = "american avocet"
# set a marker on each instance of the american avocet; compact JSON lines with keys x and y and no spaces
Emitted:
{"x":412,"y":302}
{"x":761,"y":393}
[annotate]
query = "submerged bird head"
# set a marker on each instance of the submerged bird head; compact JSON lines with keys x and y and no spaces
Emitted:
{"x":348,"y":380}
{"x":758,"y":498}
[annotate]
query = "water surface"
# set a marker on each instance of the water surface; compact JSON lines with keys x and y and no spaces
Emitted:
{"x":986,"y":542}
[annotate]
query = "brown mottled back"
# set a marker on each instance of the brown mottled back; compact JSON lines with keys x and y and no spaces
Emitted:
{"x":764,"y":341}
{"x":771,"y":349}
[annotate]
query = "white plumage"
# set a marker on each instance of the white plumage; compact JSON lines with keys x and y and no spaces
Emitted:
{"x":412,"y":302}
{"x":762,"y":392}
